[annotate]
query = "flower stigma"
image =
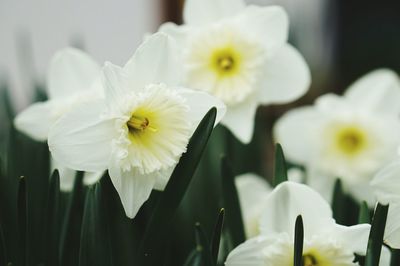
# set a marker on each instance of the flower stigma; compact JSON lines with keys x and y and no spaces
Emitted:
{"x":138,"y":123}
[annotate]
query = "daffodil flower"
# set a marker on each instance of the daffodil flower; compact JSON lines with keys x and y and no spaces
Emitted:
{"x":386,"y":186}
{"x":325,"y":242}
{"x":141,"y":128}
{"x":350,"y":136}
{"x":239,"y":54}
{"x":72,"y":79}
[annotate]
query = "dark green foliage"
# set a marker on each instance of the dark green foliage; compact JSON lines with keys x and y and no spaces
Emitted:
{"x":298,"y":242}
{"x":216,"y":238}
{"x":280,"y":168}
{"x":375,"y":240}
{"x":234,"y":222}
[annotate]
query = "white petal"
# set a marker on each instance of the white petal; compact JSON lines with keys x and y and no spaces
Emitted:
{"x":250,"y":253}
{"x":67,"y":176}
{"x":198,"y":12}
{"x":286,"y":77}
{"x":378,"y":91}
{"x":177,"y":32}
{"x":354,"y":238}
{"x":36,"y":120}
{"x":392,"y":230}
{"x":268,"y":24}
{"x":252,"y":191}
{"x":71,"y":71}
{"x":133,"y":188}
{"x":200,"y":103}
{"x":90,"y":178}
{"x":239,"y":119}
{"x":321,"y":182}
{"x":162,"y":178}
{"x":386,"y":183}
{"x":385,"y":257}
{"x":115,"y":82}
{"x":295,"y":132}
{"x":81,"y":139}
{"x":286,"y":202}
{"x":157,"y":60}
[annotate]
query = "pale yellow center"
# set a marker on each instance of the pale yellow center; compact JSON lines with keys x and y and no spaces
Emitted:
{"x":313,"y":258}
{"x":350,"y":140}
{"x":225,"y":61}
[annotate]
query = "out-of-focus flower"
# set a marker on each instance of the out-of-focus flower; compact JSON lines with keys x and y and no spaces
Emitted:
{"x":252,"y":191}
{"x":240,"y":54}
{"x":325,"y":242}
{"x":72,"y":79}
{"x":141,"y":128}
{"x":350,"y":137}
{"x":386,"y":185}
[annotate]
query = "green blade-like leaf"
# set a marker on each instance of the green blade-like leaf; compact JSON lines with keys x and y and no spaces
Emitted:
{"x":71,"y":228}
{"x":3,"y":252}
{"x":175,"y":190}
{"x":22,"y":220}
{"x":234,"y":221}
{"x":53,"y":221}
{"x":280,"y":168}
{"x":194,"y":258}
{"x":298,"y":242}
{"x":203,"y":245}
{"x":363,"y":215}
{"x":216,"y":238}
{"x":375,"y":240}
{"x":395,"y":258}
{"x":95,"y":246}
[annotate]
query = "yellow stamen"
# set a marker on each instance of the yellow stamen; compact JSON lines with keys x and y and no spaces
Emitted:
{"x":226,"y":63}
{"x":309,"y":260}
{"x":139,"y":123}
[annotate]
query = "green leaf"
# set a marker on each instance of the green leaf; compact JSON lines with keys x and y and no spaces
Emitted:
{"x":280,"y":168}
{"x":363,"y":215}
{"x":22,"y":220}
{"x":375,"y":240}
{"x":298,"y":242}
{"x":71,"y":227}
{"x":53,"y":221}
{"x":95,"y":246}
{"x":170,"y":199}
{"x":3,"y":252}
{"x":194,"y":258}
{"x":395,"y":258}
{"x":203,"y":245}
{"x":216,"y":238}
{"x":234,"y":220}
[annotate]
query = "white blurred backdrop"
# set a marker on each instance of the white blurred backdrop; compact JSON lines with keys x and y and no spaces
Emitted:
{"x":108,"y":30}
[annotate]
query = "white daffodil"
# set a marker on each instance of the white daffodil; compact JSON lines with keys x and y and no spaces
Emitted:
{"x":350,"y":136}
{"x":325,"y":242}
{"x":141,"y":128}
{"x":386,"y":185}
{"x":239,"y":54}
{"x":252,"y":191}
{"x":72,"y":79}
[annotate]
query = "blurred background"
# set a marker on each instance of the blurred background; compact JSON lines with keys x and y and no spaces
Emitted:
{"x":340,"y":39}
